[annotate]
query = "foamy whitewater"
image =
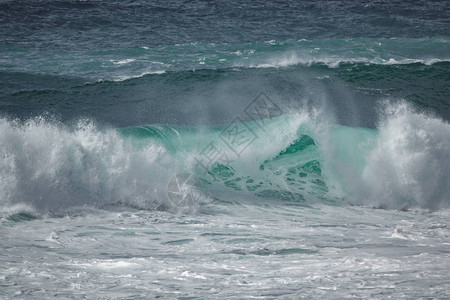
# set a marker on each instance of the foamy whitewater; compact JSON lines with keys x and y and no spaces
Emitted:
{"x":224,"y":150}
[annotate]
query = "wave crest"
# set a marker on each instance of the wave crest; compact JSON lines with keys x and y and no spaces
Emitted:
{"x":410,"y":162}
{"x":52,"y":167}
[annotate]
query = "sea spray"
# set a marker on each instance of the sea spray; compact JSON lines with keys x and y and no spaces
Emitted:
{"x":410,"y":163}
{"x":53,"y":167}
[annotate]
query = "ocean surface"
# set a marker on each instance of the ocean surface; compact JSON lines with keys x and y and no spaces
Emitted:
{"x":224,"y":149}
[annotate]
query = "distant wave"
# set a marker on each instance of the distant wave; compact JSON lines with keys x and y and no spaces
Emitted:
{"x":121,"y":64}
{"x":334,"y":62}
{"x":127,"y":77}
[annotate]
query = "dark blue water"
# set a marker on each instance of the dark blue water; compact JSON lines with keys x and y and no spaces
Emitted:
{"x":131,"y":24}
{"x":346,"y":53}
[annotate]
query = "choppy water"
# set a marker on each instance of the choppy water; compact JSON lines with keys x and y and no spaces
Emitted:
{"x":224,"y":150}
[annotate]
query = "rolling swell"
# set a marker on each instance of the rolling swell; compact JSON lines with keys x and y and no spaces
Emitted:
{"x":118,"y":64}
{"x":210,"y":96}
{"x":209,"y":83}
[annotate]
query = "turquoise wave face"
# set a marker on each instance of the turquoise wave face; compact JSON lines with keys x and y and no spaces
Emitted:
{"x":288,"y":173}
{"x":298,"y":161}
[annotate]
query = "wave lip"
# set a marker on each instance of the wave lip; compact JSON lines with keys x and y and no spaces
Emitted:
{"x":411,"y":161}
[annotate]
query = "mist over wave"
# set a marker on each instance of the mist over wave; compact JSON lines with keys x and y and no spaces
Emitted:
{"x":408,"y":164}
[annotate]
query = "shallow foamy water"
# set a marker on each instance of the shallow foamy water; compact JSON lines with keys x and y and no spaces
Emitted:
{"x":248,"y":252}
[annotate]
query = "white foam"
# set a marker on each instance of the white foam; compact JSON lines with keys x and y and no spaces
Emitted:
{"x":50,"y":167}
{"x":410,"y":164}
{"x":288,"y":59}
{"x":126,"y":77}
{"x":123,"y":62}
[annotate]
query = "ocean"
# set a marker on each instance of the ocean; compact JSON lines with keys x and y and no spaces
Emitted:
{"x":224,"y":149}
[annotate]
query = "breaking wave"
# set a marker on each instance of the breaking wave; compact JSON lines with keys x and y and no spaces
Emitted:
{"x":295,"y":159}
